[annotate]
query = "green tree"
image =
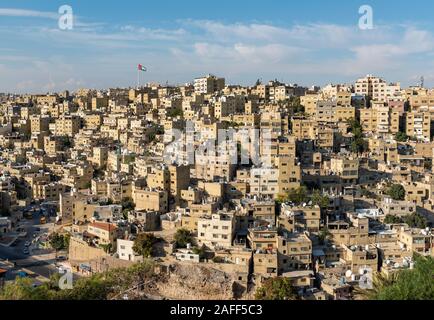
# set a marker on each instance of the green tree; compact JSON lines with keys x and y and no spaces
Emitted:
{"x":416,"y":284}
{"x":324,"y":235}
{"x":174,"y":113}
{"x":391,"y":219}
{"x":23,"y":289}
{"x":396,"y":192}
{"x":358,"y":144}
{"x":94,"y":288}
{"x":278,"y":288}
{"x":298,"y":196}
{"x":295,"y":104}
{"x":144,"y":244}
{"x":183,"y":237}
{"x":101,"y":286}
{"x":416,"y":220}
{"x":401,"y":137}
{"x":319,"y":200}
{"x":379,"y":283}
{"x":58,"y":241}
{"x":200,"y":251}
{"x":106,"y":247}
{"x":66,"y":240}
{"x":128,"y":205}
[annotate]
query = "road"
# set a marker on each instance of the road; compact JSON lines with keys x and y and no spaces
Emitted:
{"x":15,"y":254}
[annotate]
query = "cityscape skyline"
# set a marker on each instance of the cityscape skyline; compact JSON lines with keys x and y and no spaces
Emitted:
{"x":295,"y":43}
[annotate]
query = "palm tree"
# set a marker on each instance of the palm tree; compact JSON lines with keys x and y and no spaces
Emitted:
{"x":380,"y":281}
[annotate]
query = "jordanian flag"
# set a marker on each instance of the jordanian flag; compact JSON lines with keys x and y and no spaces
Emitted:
{"x":142,"y":68}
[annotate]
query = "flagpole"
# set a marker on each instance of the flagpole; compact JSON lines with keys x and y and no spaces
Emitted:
{"x":138,"y":78}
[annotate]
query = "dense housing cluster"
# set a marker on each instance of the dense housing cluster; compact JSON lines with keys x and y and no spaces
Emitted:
{"x":323,"y":186}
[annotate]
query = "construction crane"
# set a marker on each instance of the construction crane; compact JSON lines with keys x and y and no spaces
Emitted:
{"x":422,"y":82}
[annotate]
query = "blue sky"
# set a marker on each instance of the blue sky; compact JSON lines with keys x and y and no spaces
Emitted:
{"x":304,"y":42}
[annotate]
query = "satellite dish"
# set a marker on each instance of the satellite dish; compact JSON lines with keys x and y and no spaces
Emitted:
{"x":349,"y":273}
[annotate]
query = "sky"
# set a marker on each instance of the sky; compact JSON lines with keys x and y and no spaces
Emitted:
{"x":313,"y":42}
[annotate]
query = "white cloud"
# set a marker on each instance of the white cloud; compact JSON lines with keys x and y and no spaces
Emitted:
{"x":317,"y":53}
{"x":155,"y":34}
{"x":11,"y":12}
{"x":246,"y":53}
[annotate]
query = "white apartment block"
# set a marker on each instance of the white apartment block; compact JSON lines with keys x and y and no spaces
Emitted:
{"x":208,"y":84}
{"x":216,"y":231}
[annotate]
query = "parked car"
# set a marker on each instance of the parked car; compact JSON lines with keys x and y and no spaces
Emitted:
{"x":15,"y":243}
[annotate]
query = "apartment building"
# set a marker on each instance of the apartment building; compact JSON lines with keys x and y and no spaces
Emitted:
{"x":358,"y":258}
{"x":100,"y":103}
{"x":190,"y":218}
{"x":263,"y":238}
{"x":300,"y":218}
{"x":352,"y":232}
{"x":105,"y":233}
{"x":208,"y":84}
{"x":150,"y":199}
{"x":264,"y":182}
{"x":258,"y":210}
{"x":416,"y":240}
{"x":379,"y":119}
{"x":422,"y":102}
{"x":67,"y":126}
{"x":48,"y":191}
{"x":372,"y":87}
{"x":346,"y":168}
{"x":217,"y":230}
{"x":39,"y":123}
{"x":304,"y":128}
{"x":294,"y":252}
{"x":418,"y":125}
{"x":397,"y":208}
{"x":309,"y":102}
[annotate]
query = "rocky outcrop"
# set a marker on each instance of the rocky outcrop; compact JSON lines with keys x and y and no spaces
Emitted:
{"x":196,"y":282}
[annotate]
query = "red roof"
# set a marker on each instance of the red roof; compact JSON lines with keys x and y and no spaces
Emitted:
{"x":104,"y":226}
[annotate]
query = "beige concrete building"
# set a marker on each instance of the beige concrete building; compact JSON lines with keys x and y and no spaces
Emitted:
{"x":217,"y":230}
{"x":418,"y":125}
{"x":356,"y":233}
{"x":346,"y":168}
{"x":417,"y":241}
{"x":106,"y":233}
{"x":294,"y":252}
{"x":208,"y":84}
{"x":300,"y":219}
{"x":397,"y":208}
{"x":372,"y":87}
{"x":150,"y":199}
